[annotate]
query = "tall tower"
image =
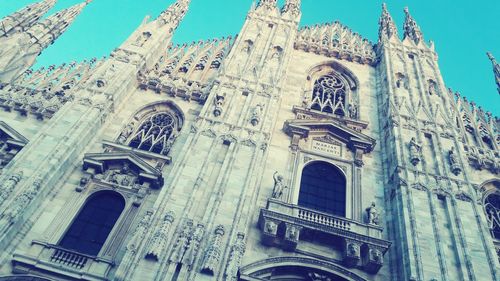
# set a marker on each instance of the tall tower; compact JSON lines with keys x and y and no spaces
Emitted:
{"x":64,"y":138}
{"x":215,"y":181}
{"x":19,"y":51}
{"x":429,"y":191}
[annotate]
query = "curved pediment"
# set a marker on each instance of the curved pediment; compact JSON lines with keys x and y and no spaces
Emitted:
{"x":336,"y":40}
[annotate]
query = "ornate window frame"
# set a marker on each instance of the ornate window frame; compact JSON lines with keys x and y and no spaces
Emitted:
{"x":121,"y":172}
{"x":134,"y":126}
{"x":344,"y":76}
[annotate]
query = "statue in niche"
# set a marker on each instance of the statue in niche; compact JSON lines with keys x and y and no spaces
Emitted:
{"x":256,"y":113}
{"x":402,"y":81}
{"x":247,"y":46}
{"x":455,"y":165}
{"x":415,"y":149}
{"x":219,"y":102}
{"x":432,"y":88}
{"x":279,"y":185}
{"x":129,"y":129}
{"x":353,"y":111}
{"x":373,"y":214}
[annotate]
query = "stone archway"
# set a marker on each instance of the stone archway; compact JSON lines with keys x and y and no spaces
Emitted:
{"x":296,"y":269}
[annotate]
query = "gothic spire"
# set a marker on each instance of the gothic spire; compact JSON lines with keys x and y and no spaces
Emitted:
{"x":496,"y":69}
{"x":267,"y":4}
{"x":291,"y":7}
{"x":25,"y":17}
{"x":411,"y":29}
{"x":387,"y":28}
{"x":174,"y":14}
{"x":48,"y":30}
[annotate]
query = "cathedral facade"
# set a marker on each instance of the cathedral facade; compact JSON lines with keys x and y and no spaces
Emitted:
{"x":283,"y":153}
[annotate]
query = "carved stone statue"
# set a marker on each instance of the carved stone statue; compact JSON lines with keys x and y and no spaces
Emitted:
{"x":455,"y":165}
{"x":279,"y":185}
{"x":372,"y":214}
{"x":219,"y":102}
{"x":415,"y":149}
{"x":235,"y":256}
{"x":129,"y":129}
{"x":256,"y":114}
{"x":353,"y":111}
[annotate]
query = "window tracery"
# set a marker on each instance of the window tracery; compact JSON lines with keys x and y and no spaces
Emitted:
{"x":329,"y":95}
{"x":153,"y":128}
{"x":154,"y":134}
{"x":492,"y":210}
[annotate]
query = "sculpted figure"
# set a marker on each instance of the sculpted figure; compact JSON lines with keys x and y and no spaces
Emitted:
{"x":414,"y":151}
{"x":373,"y":214}
{"x":279,"y":185}
{"x":129,"y":129}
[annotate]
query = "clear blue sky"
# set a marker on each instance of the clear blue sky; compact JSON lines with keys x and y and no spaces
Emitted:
{"x":462,"y":30}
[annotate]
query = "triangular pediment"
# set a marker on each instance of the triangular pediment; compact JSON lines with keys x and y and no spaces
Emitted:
{"x":12,"y":137}
{"x":102,"y":161}
{"x":353,"y":139}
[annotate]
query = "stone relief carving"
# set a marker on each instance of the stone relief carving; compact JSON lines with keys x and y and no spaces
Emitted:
{"x":415,"y":149}
{"x":213,"y":252}
{"x":352,"y":253}
{"x":372,"y":214}
{"x":160,"y":237}
{"x":123,"y":177}
{"x":20,"y":203}
{"x":279,"y":186}
{"x":9,"y":185}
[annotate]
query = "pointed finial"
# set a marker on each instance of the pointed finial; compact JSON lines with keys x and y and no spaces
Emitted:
{"x":496,"y":69}
{"x":174,"y":14}
{"x":411,"y":28}
{"x":387,"y":28}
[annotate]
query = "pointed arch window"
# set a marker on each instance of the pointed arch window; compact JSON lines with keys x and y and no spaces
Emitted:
{"x":92,"y":226}
{"x":323,"y":188}
{"x":329,"y":95}
{"x":155,"y":133}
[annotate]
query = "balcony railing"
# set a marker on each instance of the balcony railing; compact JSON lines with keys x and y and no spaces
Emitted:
{"x":315,"y":219}
{"x":361,"y":244}
{"x":69,"y":258}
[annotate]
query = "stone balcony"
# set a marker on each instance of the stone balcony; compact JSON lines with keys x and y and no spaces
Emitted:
{"x":44,"y":258}
{"x":362,"y":245}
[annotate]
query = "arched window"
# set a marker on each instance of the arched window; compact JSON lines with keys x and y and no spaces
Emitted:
{"x":329,"y":95}
{"x":92,"y":226}
{"x":323,"y":188}
{"x":492,"y":210}
{"x":154,"y":133}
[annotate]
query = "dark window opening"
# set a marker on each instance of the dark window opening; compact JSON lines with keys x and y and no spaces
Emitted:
{"x":92,"y":226}
{"x":323,"y":188}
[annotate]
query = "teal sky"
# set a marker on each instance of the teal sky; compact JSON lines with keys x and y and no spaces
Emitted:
{"x":462,"y":30}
